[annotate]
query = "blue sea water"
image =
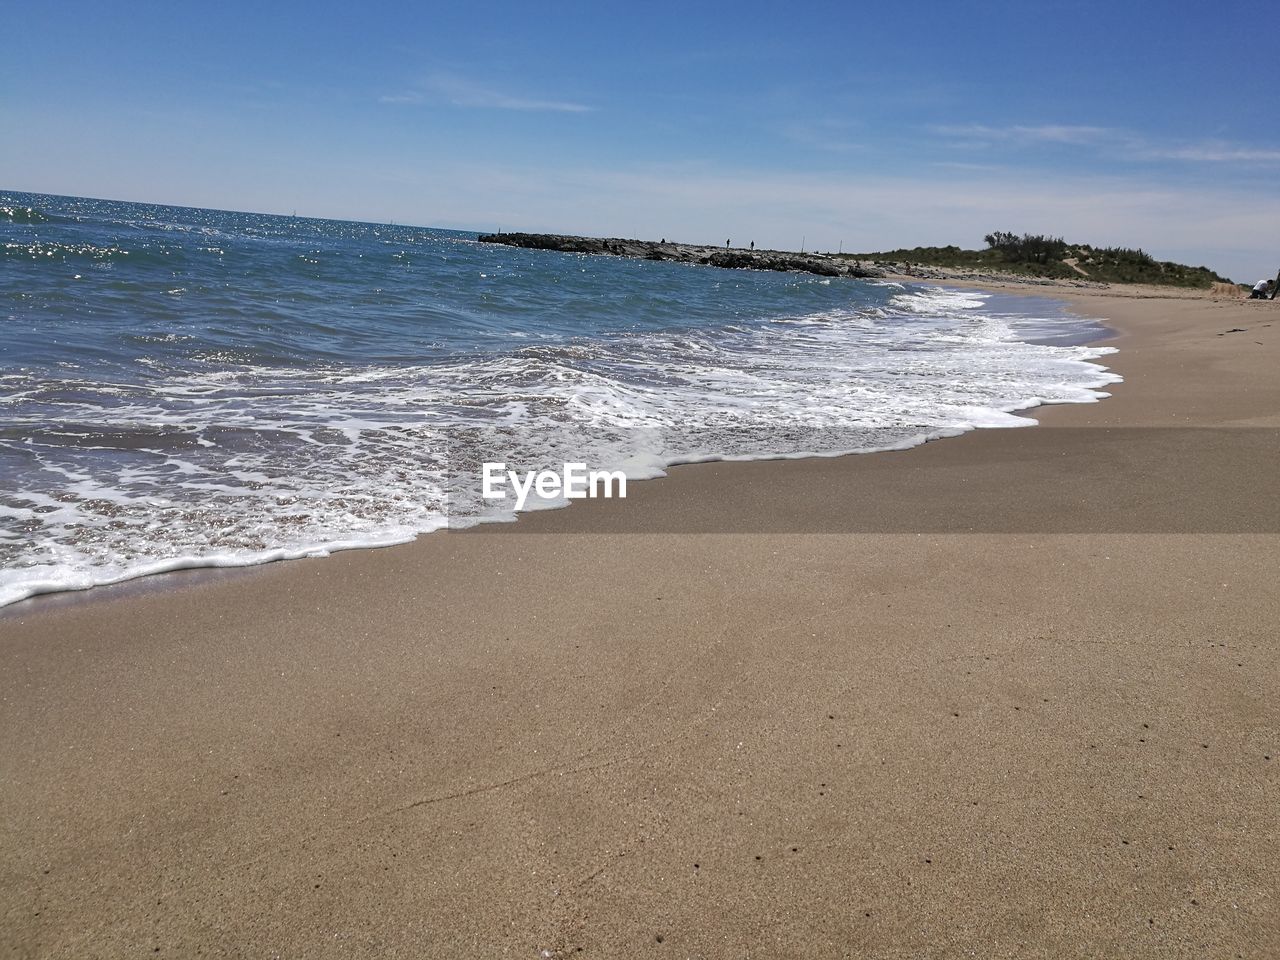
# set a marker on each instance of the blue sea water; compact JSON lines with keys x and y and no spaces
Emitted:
{"x":185,"y":387}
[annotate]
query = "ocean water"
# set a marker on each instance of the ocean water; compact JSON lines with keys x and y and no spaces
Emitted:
{"x":183,"y":387}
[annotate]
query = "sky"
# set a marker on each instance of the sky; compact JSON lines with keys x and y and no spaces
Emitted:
{"x":851,"y":126}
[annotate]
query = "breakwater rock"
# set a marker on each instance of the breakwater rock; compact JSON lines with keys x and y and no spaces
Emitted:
{"x":732,"y":258}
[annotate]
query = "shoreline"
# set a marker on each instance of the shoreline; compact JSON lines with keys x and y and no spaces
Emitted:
{"x":549,"y":736}
{"x":187,"y":571}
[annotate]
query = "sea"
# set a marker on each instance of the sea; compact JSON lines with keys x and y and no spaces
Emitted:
{"x":183,"y":387}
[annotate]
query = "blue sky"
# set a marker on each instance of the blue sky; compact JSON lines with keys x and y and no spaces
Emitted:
{"x":867,"y":125}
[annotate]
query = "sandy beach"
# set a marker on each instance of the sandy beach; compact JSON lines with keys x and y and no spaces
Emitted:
{"x":1005,"y":695}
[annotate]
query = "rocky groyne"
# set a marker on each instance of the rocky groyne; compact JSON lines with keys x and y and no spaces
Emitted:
{"x":730,"y":257}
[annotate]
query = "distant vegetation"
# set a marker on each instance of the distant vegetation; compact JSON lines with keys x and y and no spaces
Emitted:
{"x":1040,"y":255}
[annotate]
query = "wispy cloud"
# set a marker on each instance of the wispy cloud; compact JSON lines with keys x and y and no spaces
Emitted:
{"x":1108,"y":141}
{"x":409,"y":96}
{"x":461,"y":92}
{"x":1044,"y":133}
{"x":1215,"y":151}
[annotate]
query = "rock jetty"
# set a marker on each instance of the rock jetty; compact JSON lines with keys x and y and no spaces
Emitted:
{"x":733,"y":258}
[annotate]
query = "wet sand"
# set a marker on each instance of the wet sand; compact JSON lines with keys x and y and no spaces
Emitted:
{"x":1022,"y":704}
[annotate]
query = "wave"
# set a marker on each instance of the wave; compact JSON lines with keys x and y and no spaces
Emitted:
{"x":252,"y":463}
{"x":15,"y":213}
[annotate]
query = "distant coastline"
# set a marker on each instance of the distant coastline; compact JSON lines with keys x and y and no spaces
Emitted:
{"x":1061,"y":267}
{"x":746,"y":258}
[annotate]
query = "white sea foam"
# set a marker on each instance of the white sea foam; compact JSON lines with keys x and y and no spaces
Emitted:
{"x":256,"y":463}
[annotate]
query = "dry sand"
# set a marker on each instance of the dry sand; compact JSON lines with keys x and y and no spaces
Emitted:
{"x":997,"y":716}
